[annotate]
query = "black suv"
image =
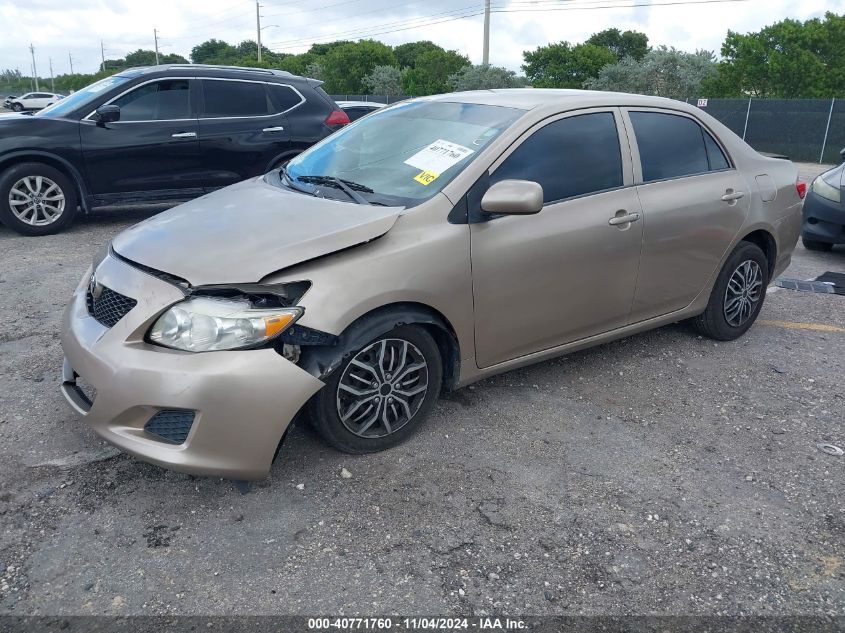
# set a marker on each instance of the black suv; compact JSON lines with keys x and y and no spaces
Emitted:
{"x":162,"y":134}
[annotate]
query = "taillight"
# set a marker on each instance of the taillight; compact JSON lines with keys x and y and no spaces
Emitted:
{"x":801,"y":187}
{"x":338,"y":117}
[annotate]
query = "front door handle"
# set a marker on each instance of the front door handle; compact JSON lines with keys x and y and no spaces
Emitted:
{"x":627,"y":218}
{"x":274,"y":129}
{"x":732,"y":196}
{"x":184,"y":135}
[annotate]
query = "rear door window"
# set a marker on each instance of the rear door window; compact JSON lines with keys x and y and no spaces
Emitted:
{"x":671,"y":146}
{"x":164,"y":100}
{"x":283,"y":98}
{"x":570,"y":157}
{"x":225,"y":99}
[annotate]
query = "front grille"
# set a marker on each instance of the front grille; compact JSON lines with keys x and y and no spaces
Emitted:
{"x":171,"y":425}
{"x":110,"y":306}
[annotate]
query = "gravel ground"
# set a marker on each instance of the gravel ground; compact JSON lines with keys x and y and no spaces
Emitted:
{"x":662,"y":474}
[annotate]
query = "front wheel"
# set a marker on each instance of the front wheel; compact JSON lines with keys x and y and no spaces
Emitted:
{"x":36,"y":199}
{"x":737,"y":296}
{"x":381,"y":393}
{"x":17,"y":107}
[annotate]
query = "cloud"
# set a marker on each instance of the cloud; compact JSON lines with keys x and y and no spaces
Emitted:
{"x":57,"y":27}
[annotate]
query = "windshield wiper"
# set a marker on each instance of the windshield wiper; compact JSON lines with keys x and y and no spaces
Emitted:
{"x":347,"y":186}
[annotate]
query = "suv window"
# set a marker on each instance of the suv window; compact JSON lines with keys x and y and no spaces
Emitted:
{"x":672,"y":146}
{"x":283,"y":97}
{"x":571,"y":157}
{"x":158,"y":101}
{"x":234,"y":99}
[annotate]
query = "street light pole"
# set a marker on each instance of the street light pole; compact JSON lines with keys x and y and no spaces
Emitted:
{"x":70,"y":59}
{"x":258,"y":28}
{"x":52,"y":82}
{"x":34,"y":69}
{"x":155,"y":37}
{"x":485,"y":59}
{"x":103,"y":54}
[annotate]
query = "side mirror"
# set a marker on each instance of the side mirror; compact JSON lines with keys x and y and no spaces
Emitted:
{"x":108,"y":114}
{"x":513,"y":197}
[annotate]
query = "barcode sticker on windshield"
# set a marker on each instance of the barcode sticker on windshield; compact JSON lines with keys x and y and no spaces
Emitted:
{"x":439,"y":156}
{"x":426,"y":177}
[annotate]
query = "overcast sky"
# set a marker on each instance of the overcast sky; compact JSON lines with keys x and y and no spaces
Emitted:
{"x":60,"y":27}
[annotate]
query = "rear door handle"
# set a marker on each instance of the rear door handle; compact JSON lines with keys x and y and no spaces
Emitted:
{"x":184,"y":135}
{"x":731,"y":196}
{"x":274,"y":129}
{"x":623,"y":219}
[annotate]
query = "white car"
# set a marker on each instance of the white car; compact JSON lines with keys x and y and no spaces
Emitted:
{"x":34,"y":101}
{"x":356,"y":109}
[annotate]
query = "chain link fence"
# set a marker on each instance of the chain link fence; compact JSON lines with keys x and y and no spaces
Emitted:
{"x":806,"y":130}
{"x":387,"y":99}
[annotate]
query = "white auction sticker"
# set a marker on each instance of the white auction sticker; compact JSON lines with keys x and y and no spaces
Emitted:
{"x":439,"y":156}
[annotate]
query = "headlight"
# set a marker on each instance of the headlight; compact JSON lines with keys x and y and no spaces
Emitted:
{"x":826,"y":190}
{"x":204,"y":324}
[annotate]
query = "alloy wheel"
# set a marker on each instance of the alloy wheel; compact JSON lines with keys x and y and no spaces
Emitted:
{"x":745,"y":288}
{"x":36,"y":200}
{"x":382,"y":388}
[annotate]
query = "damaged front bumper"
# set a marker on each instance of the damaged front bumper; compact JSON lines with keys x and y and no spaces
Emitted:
{"x":211,"y":413}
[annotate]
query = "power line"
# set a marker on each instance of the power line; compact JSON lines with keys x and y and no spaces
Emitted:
{"x":476,"y":10}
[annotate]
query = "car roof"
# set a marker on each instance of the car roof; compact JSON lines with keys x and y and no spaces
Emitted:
{"x":530,"y":98}
{"x":213,"y":70}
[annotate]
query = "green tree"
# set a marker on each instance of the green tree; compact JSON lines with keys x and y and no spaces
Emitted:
{"x":485,"y":77}
{"x":408,"y":53}
{"x":345,"y":66}
{"x":564,"y":66}
{"x":431,"y":73}
{"x":628,"y":44}
{"x":788,"y":59}
{"x":384,"y":80}
{"x":213,"y":52}
{"x":664,"y":72}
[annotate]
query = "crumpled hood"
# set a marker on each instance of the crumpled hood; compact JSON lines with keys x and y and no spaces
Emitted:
{"x":244,"y":232}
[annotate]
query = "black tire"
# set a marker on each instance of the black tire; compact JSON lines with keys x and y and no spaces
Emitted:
{"x":324,"y":406}
{"x":815,"y":245}
{"x":17,"y":107}
{"x":67,"y":188}
{"x":714,"y":321}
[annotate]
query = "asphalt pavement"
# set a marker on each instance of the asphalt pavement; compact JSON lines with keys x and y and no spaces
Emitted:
{"x":661,"y":474}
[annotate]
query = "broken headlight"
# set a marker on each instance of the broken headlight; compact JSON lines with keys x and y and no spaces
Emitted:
{"x":206,"y":324}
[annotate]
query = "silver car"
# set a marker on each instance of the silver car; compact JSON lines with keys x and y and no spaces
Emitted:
{"x":424,"y":247}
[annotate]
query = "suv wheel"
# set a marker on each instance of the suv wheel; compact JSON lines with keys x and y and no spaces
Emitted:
{"x":17,"y":107}
{"x":36,"y":199}
{"x":381,"y":393}
{"x":815,"y":245}
{"x":737,"y":296}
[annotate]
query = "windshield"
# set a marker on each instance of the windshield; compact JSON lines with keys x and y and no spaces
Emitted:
{"x":404,"y":154}
{"x":82,"y":96}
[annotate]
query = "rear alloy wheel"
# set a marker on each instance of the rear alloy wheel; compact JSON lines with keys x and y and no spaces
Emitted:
{"x":381,"y":393}
{"x":36,"y":199}
{"x":737,"y":296}
{"x":815,"y":245}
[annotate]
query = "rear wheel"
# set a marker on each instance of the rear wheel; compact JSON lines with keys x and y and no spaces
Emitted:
{"x":737,"y":296}
{"x":381,"y":393}
{"x":815,"y":245}
{"x":36,"y":199}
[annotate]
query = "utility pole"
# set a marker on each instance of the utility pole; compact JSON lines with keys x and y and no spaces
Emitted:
{"x":34,"y":69}
{"x":258,"y":28}
{"x":70,"y":59}
{"x":485,"y":58}
{"x":103,"y":54}
{"x":155,"y":37}
{"x":52,"y":82}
